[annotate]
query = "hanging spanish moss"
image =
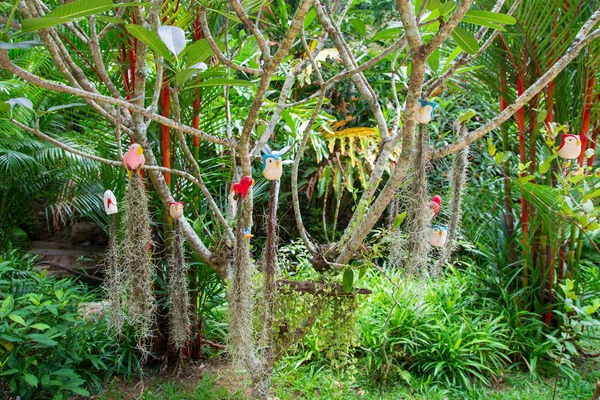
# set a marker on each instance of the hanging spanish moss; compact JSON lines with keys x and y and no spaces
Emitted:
{"x":419,"y":213}
{"x":241,"y":304}
{"x":179,"y":304}
{"x":137,"y":260}
{"x":113,"y":279}
{"x":266,"y":345}
{"x":458,"y":176}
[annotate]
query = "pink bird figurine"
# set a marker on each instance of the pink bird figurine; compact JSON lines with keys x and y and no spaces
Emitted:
{"x":435,"y":204}
{"x":570,"y":147}
{"x":134,"y":158}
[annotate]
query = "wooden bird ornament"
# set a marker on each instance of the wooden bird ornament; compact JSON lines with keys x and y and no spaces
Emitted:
{"x":240,"y":189}
{"x":425,"y":111}
{"x":110,"y":203}
{"x":570,"y":147}
{"x":176,"y":209}
{"x":272,"y":166}
{"x":134,"y":158}
{"x":438,"y":236}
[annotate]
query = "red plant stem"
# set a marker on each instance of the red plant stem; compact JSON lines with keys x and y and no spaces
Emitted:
{"x":595,"y":131}
{"x":125,"y":74}
{"x":587,"y":112}
{"x":197,"y":30}
{"x":165,"y":102}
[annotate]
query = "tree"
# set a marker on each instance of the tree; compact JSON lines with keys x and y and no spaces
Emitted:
{"x":120,"y":63}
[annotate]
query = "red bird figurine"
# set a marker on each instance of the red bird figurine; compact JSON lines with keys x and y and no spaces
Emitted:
{"x":241,"y":188}
{"x":435,"y":204}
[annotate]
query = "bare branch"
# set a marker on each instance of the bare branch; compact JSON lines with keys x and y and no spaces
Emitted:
{"x":198,"y":174}
{"x":578,"y":44}
{"x":217,"y":51}
{"x":241,"y":13}
{"x":464,"y":58}
{"x":409,"y":22}
{"x":5,"y":62}
{"x":295,"y":199}
{"x":447,"y":28}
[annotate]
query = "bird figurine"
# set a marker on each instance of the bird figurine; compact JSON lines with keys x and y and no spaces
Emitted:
{"x":570,"y":147}
{"x":247,"y":233}
{"x":438,"y":235}
{"x":134,"y":158}
{"x":240,"y":189}
{"x":110,"y":203}
{"x":272,"y":166}
{"x":435,"y":204}
{"x":176,"y":209}
{"x":425,"y":111}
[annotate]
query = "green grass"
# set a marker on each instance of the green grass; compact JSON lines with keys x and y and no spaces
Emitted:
{"x":310,"y":382}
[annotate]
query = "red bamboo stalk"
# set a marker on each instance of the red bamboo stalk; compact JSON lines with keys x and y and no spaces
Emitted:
{"x":587,"y":113}
{"x":590,"y":161}
{"x":165,"y":102}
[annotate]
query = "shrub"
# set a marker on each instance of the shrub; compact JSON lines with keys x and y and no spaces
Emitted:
{"x":46,"y":348}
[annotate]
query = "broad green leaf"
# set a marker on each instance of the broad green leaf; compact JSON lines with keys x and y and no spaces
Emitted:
{"x":434,"y":60}
{"x":186,"y":74}
{"x":18,"y":319}
{"x":32,"y":380}
{"x":80,"y":8}
{"x":399,"y":219}
{"x":66,"y":372}
{"x":200,"y":51}
{"x":433,"y":4}
{"x":494,"y":17}
{"x":348,"y":280}
{"x":389,"y":33}
{"x":283,"y":14}
{"x":359,"y":26}
{"x":451,"y":58}
{"x":110,"y":20}
{"x":36,"y":24}
{"x":40,"y":327}
{"x":483,"y":22}
{"x":224,"y":82}
{"x":173,"y":37}
{"x":362,"y":271}
{"x":25,"y":45}
{"x":446,"y":8}
{"x":80,"y":391}
{"x":9,"y":372}
{"x":149,"y":38}
{"x":42,"y":339}
{"x":466,"y":116}
{"x":310,"y":17}
{"x":465,"y":40}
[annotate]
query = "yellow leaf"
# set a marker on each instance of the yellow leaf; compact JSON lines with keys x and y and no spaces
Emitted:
{"x":7,"y":345}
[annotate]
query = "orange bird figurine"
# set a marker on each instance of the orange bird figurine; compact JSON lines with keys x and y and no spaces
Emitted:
{"x":240,"y":189}
{"x":134,"y":158}
{"x":435,"y":204}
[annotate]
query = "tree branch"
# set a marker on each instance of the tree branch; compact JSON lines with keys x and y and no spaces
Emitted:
{"x":217,"y":51}
{"x":5,"y":62}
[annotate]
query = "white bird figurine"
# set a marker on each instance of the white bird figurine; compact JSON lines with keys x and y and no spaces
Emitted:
{"x":134,"y":158}
{"x":272,"y":166}
{"x":438,"y":235}
{"x":425,"y":111}
{"x":110,"y":203}
{"x":570,"y":147}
